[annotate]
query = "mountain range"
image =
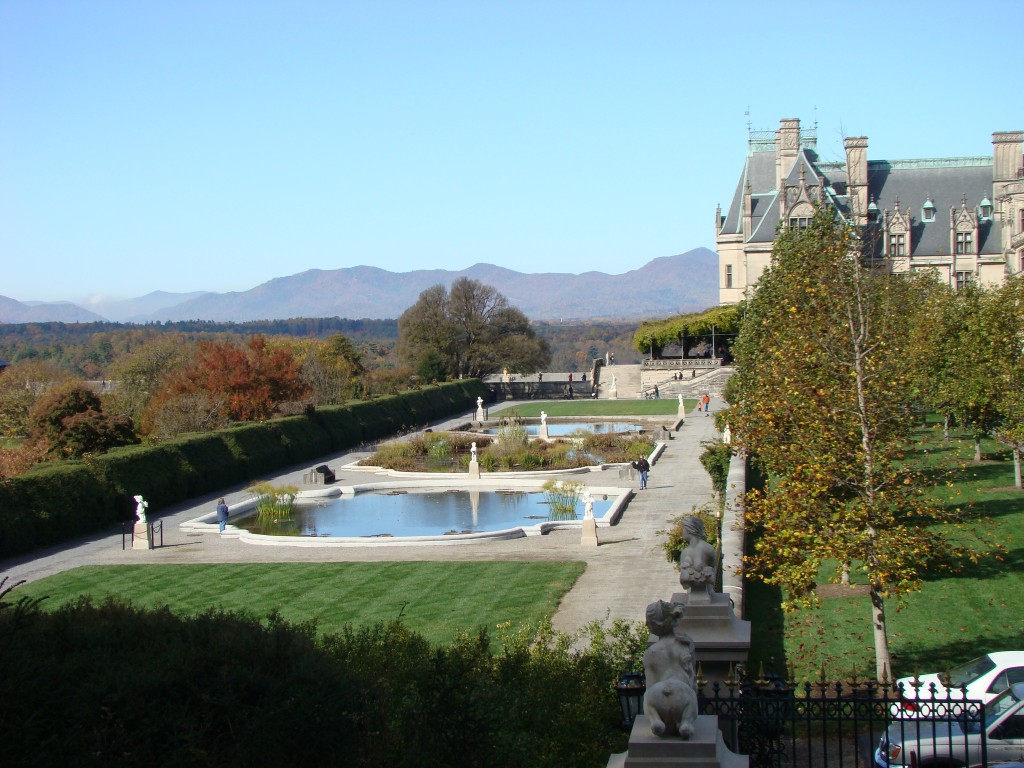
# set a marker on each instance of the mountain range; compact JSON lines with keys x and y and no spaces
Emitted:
{"x":665,"y":286}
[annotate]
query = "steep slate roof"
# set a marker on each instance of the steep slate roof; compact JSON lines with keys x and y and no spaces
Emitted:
{"x":946,"y":181}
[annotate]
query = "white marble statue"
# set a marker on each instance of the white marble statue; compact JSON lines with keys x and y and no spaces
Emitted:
{"x":615,"y":383}
{"x":472,"y":451}
{"x":680,"y":400}
{"x":479,"y":403}
{"x":670,"y":702}
{"x":588,"y":505}
{"x":727,"y":435}
{"x":543,"y":419}
{"x":140,"y":508}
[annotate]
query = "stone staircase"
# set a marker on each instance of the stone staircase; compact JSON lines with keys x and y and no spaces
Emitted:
{"x":711,"y":381}
{"x":627,"y":382}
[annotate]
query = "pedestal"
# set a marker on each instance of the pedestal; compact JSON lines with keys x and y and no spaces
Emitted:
{"x":613,"y":393}
{"x":544,"y":432}
{"x":140,"y":537}
{"x":705,"y":749}
{"x":474,"y":469}
{"x":588,"y":536}
{"x":720,"y":639}
{"x":479,"y":414}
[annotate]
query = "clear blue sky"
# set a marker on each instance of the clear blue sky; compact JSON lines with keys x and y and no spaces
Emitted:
{"x":178,"y":145}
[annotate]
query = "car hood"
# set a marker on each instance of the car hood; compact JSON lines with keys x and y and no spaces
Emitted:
{"x":925,"y":689}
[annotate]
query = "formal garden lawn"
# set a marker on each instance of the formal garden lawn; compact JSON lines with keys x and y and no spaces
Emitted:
{"x":667,"y":406}
{"x":953,"y":618}
{"x":434,"y":599}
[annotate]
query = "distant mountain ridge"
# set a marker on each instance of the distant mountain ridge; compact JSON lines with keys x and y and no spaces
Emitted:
{"x":687,"y":282}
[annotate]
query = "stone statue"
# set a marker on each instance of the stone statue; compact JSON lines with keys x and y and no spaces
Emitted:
{"x":472,"y":451}
{"x":479,"y":403}
{"x":140,"y":508}
{"x":670,"y":702}
{"x":680,"y":400}
{"x":614,"y":382}
{"x":727,"y":435}
{"x":543,"y":419}
{"x":698,"y":561}
{"x":588,"y":505}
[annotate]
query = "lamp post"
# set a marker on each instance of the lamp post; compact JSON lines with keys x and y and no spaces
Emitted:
{"x":630,"y":689}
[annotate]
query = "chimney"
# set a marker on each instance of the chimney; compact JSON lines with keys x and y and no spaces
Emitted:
{"x":787,"y":144}
{"x":1007,"y":147}
{"x":857,"y":176}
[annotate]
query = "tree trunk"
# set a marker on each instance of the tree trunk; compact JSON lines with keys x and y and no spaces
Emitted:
{"x":977,"y":448}
{"x":883,"y":662}
{"x":945,"y":427}
{"x":1016,"y":468}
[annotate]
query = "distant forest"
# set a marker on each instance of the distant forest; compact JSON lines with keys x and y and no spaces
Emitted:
{"x":88,"y":349}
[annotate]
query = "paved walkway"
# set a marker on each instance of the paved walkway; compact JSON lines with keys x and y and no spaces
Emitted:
{"x":624,"y":573}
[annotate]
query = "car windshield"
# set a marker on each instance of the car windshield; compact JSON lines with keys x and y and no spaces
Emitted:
{"x":967,"y":673}
{"x":1001,"y":703}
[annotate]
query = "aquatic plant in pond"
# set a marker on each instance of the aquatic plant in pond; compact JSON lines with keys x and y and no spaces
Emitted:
{"x":273,"y":502}
{"x":511,"y":451}
{"x":562,"y":498}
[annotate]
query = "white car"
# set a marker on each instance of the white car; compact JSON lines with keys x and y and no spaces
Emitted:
{"x":958,"y":741}
{"x":983,"y":679}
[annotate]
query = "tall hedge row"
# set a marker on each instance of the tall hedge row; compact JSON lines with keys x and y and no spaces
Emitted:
{"x":58,"y":501}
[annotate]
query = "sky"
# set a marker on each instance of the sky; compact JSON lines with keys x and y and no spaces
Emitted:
{"x":183,"y":146}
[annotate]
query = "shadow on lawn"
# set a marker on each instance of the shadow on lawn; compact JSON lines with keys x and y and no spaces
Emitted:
{"x":989,"y":567}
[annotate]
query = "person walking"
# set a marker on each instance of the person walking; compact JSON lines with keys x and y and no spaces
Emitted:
{"x":642,"y":466}
{"x":222,"y":514}
{"x":707,"y":403}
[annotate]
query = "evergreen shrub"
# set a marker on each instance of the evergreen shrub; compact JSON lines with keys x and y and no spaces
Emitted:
{"x":124,"y":686}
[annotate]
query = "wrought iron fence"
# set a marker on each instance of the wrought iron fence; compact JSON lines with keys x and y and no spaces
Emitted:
{"x":853,"y":724}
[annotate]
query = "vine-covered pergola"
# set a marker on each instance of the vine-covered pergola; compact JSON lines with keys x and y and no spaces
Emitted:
{"x":713,"y":325}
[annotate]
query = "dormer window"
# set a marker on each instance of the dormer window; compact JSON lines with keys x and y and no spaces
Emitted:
{"x":928,"y":210}
{"x":964,"y":243}
{"x":897,"y":245}
{"x":799,"y":222}
{"x":985,"y":209}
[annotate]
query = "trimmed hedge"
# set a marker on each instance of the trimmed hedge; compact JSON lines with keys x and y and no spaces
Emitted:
{"x":121,"y":686}
{"x":59,"y":501}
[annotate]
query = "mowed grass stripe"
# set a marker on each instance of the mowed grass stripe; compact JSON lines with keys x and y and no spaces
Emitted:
{"x":435,"y":599}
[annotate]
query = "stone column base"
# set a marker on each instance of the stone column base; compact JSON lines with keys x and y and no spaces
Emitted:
{"x":474,"y":470}
{"x":705,"y":749}
{"x":588,"y":537}
{"x":140,"y":536}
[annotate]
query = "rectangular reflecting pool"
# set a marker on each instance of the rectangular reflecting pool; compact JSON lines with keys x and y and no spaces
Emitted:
{"x":416,"y":512}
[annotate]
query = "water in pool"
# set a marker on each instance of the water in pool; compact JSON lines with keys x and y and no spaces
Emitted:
{"x":425,"y":513}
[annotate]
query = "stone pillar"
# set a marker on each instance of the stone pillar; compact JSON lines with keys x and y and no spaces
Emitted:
{"x":705,"y":749}
{"x":140,"y":536}
{"x":588,"y":536}
{"x":720,"y":640}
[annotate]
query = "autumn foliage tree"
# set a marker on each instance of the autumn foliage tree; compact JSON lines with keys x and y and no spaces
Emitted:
{"x":822,"y":403}
{"x":70,"y":423}
{"x":247,"y":381}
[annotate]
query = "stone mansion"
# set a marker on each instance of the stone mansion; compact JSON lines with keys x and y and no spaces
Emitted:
{"x":962,"y":217}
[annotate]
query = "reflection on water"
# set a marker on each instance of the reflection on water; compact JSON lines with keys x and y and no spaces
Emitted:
{"x":415,"y":513}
